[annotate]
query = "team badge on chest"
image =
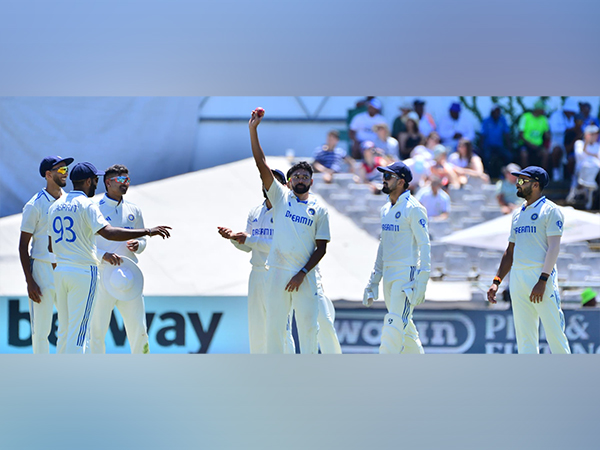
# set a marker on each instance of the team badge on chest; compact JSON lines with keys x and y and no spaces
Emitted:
{"x":131,"y":218}
{"x":398,"y":214}
{"x":534,"y":216}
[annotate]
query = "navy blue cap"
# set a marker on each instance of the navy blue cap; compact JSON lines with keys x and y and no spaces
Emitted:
{"x":418,"y":101}
{"x":455,"y":107}
{"x":50,"y":161}
{"x":83,"y":171}
{"x":280,"y":173}
{"x":535,"y":173}
{"x":375,"y":103}
{"x":400,"y":169}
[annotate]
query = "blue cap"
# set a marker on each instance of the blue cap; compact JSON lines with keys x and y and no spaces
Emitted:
{"x":50,"y":161}
{"x":83,"y":171}
{"x":280,"y":173}
{"x":535,"y":173}
{"x":375,"y":103}
{"x":455,"y":107}
{"x":400,"y":169}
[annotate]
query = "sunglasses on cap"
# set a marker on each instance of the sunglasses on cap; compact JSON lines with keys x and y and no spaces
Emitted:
{"x":388,"y":176}
{"x":522,"y":181}
{"x":62,"y":170}
{"x":123,"y":179}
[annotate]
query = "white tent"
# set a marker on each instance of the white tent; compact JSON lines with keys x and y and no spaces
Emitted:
{"x":493,"y":235}
{"x":196,"y":261}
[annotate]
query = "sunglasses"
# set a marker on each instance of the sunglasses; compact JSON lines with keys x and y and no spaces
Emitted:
{"x":62,"y":170}
{"x":301,"y":177}
{"x":522,"y":181}
{"x":121,"y":179}
{"x":388,"y":176}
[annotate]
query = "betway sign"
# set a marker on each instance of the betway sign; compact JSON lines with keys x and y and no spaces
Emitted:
{"x":463,"y":331}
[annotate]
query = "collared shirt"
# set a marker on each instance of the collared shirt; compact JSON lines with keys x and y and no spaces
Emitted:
{"x":35,"y":221}
{"x":259,"y":226}
{"x":73,"y":221}
{"x":531,"y":227}
{"x":299,"y":225}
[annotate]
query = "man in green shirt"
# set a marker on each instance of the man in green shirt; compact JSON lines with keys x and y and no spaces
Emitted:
{"x":534,"y":132}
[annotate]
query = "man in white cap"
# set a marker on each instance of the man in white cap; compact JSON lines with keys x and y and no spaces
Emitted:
{"x":119,"y":213}
{"x":73,"y":221}
{"x":403,"y":261}
{"x":560,"y":121}
{"x":361,"y":126}
{"x":37,"y":268}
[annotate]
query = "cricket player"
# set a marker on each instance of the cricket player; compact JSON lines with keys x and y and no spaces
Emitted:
{"x":119,"y":213}
{"x":403,"y":261}
{"x":300,"y":242}
{"x":530,"y":257}
{"x":73,"y":221}
{"x":37,"y":267}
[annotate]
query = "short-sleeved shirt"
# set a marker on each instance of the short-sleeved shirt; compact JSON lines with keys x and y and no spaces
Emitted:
{"x":363,"y":125}
{"x":508,"y":191}
{"x":332,"y":159}
{"x":403,"y":232}
{"x":260,"y":228}
{"x":493,"y":131}
{"x":559,"y":123}
{"x":73,"y":221}
{"x":434,"y":204}
{"x":530,"y":229}
{"x":35,"y":221}
{"x":533,"y":128}
{"x":299,"y":225}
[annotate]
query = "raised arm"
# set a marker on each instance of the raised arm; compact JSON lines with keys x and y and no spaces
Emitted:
{"x":259,"y":156}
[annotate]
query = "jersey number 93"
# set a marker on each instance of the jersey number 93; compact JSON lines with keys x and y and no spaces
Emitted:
{"x":64,"y":228}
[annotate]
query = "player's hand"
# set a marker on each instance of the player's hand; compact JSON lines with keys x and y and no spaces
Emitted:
{"x":537,"y":293}
{"x":256,"y":118}
{"x":240,"y":237}
{"x":368,"y":297}
{"x":133,"y":245}
{"x":112,"y":258}
{"x":161,"y":230}
{"x":34,"y":292}
{"x":225,"y":232}
{"x":420,"y":287}
{"x":491,"y":293}
{"x":295,"y":282}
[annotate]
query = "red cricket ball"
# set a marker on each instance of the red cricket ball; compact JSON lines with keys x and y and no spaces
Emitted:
{"x":260,"y":112}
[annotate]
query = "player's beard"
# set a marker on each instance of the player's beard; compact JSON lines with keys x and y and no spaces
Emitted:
{"x":386,"y":189}
{"x":301,"y":188}
{"x":524,"y":192}
{"x":92,"y":189}
{"x":58,"y":180}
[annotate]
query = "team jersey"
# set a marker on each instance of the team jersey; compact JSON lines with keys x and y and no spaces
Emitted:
{"x":124,"y":215}
{"x":404,"y":233}
{"x":35,"y":221}
{"x":260,"y":228}
{"x":531,"y":226}
{"x":299,"y":224}
{"x":73,"y":221}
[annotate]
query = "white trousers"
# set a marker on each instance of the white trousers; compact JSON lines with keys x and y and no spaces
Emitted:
{"x":134,"y":318}
{"x":527,"y":315}
{"x":75,"y":297}
{"x":327,"y":337}
{"x":279,"y":303}
{"x":399,"y":334}
{"x":40,"y":314}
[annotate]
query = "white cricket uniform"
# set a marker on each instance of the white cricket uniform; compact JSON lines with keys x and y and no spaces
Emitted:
{"x":73,"y":221}
{"x":124,"y":215}
{"x":403,"y":249}
{"x":35,"y":222}
{"x":299,"y":225}
{"x":531,"y":227}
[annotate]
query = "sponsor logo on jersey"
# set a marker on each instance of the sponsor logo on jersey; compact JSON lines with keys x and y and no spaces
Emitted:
{"x":108,"y":218}
{"x":255,"y":220}
{"x":525,"y":229}
{"x":311,"y":211}
{"x":559,"y":224}
{"x":262,"y":232}
{"x":389,"y":227}
{"x":102,"y":202}
{"x":66,"y":207}
{"x":299,"y":219}
{"x":398,"y":214}
{"x":534,"y":216}
{"x":423,"y":222}
{"x":131,"y":218}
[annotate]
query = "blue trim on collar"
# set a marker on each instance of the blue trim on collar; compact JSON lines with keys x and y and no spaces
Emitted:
{"x":541,"y":201}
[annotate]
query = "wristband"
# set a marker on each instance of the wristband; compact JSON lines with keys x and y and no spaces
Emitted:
{"x":543,"y":277}
{"x":497,"y":281}
{"x":304,"y":270}
{"x":148,"y":230}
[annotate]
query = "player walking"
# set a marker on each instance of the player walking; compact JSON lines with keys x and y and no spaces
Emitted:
{"x":530,"y":257}
{"x":300,"y":242}
{"x":73,"y":221}
{"x":403,"y":260}
{"x":119,"y":213}
{"x":37,"y":268}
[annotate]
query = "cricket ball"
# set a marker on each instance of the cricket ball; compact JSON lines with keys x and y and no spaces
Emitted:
{"x":260,"y":112}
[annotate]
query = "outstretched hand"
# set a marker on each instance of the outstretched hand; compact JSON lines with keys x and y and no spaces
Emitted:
{"x":161,"y":230}
{"x":225,"y":232}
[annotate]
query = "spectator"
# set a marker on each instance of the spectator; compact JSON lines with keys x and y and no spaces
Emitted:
{"x":466,"y":163}
{"x":585,"y":110}
{"x":573,"y":135}
{"x":495,"y":141}
{"x":588,"y":298}
{"x":399,"y":124}
{"x":587,"y":165}
{"x":427,"y":149}
{"x":410,"y":138}
{"x":361,"y":126}
{"x":330,"y":159}
{"x":435,"y":200}
{"x":560,"y":121}
{"x":426,"y":122}
{"x":372,"y":159}
{"x":455,"y":126}
{"x":506,"y":189}
{"x":442,"y":169}
{"x":385,"y":142}
{"x":533,"y":132}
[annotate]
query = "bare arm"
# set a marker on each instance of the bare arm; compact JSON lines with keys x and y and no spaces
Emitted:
{"x":33,"y":290}
{"x":296,"y":281}
{"x":505,"y":265}
{"x":537,"y":293}
{"x":259,"y":156}
{"x":123,"y":234}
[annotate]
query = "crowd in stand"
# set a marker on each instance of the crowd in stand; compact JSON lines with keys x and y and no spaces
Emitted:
{"x":447,"y":153}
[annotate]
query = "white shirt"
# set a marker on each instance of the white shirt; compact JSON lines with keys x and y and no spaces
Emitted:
{"x":404,"y":233}
{"x":559,"y":123}
{"x":531,"y":226}
{"x":260,"y":228}
{"x":299,"y":225}
{"x":35,"y":221}
{"x":581,"y":156}
{"x":448,"y":127}
{"x":124,"y":215}
{"x":363,"y":125}
{"x":434,"y":204}
{"x":73,"y":221}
